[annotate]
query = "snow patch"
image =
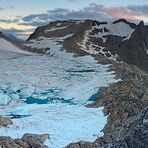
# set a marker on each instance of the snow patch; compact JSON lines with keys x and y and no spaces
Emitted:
{"x":56,"y":28}
{"x":119,"y":29}
{"x":7,"y":46}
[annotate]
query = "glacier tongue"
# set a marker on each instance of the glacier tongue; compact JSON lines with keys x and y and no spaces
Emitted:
{"x":50,"y":93}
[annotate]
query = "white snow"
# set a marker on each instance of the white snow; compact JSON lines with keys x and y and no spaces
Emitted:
{"x":70,"y":81}
{"x":119,"y":29}
{"x":56,"y":28}
{"x":7,"y":46}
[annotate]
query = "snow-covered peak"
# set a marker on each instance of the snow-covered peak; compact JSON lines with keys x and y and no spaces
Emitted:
{"x":119,"y":29}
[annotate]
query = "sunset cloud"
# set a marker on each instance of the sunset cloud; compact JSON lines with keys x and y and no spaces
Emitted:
{"x":94,"y":11}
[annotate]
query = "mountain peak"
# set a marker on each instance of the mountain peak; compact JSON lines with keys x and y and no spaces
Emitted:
{"x":141,"y":24}
{"x":132,"y":25}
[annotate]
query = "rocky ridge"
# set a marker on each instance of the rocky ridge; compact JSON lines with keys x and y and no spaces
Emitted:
{"x":125,"y":103}
{"x":117,"y":41}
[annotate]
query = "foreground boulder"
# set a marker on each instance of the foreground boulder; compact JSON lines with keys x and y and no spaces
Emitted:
{"x":35,"y":140}
{"x":8,"y":142}
{"x":4,"y":121}
{"x":27,"y":141}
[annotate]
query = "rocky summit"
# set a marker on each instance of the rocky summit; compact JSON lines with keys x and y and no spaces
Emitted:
{"x":84,"y":82}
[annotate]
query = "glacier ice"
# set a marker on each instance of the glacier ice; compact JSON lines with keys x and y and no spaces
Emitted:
{"x":62,"y":83}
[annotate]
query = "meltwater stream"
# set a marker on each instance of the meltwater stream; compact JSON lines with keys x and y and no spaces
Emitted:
{"x":45,"y":94}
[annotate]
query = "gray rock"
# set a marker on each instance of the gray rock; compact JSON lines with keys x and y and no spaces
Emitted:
{"x":8,"y":142}
{"x":4,"y":121}
{"x":35,"y":140}
{"x":27,"y":141}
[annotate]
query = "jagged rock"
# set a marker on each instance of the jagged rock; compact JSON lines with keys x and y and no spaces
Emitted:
{"x":133,"y":133}
{"x":35,"y":140}
{"x":27,"y":141}
{"x":83,"y":144}
{"x":8,"y":142}
{"x":21,"y":143}
{"x":4,"y":121}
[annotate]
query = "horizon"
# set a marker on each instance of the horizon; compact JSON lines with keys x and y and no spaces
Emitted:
{"x":21,"y":22}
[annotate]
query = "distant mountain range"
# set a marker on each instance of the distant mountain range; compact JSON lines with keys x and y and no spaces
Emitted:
{"x":12,"y":37}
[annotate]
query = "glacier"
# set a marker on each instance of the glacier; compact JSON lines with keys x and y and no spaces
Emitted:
{"x":49,"y":94}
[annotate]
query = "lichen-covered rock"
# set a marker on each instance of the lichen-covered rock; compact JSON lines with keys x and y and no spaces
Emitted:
{"x":4,"y":121}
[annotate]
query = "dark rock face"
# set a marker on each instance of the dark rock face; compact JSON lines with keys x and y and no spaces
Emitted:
{"x":134,"y":133}
{"x":4,"y":121}
{"x":27,"y":141}
{"x":134,"y":50}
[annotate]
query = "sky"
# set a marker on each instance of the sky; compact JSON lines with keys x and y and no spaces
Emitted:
{"x":21,"y":17}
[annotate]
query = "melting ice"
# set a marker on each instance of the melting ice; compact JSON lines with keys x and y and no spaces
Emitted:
{"x":44,"y":94}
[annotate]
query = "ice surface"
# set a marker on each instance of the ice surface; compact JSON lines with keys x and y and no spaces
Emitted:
{"x":7,"y":46}
{"x":64,"y":83}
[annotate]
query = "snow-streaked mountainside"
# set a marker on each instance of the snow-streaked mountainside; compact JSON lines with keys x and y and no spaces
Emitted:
{"x":120,"y":41}
{"x":49,"y":94}
{"x":88,"y":31}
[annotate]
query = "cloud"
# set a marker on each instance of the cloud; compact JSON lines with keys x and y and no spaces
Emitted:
{"x":5,"y":20}
{"x":92,"y":11}
{"x":7,"y":7}
{"x":72,"y":0}
{"x":1,"y":8}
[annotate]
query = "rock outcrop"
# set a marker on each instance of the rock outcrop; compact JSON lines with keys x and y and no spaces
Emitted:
{"x":27,"y":141}
{"x":4,"y":121}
